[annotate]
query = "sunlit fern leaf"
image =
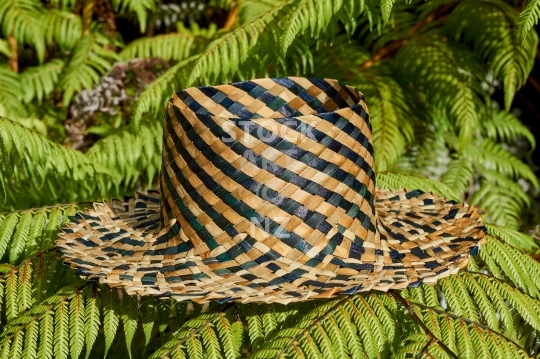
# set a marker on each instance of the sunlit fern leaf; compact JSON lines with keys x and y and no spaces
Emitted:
{"x":386,"y":8}
{"x":201,"y":333}
{"x":175,"y":46}
{"x":111,"y":315}
{"x":507,"y":263}
{"x":88,"y":61}
{"x":131,"y":153}
{"x":435,"y":68}
{"x":319,"y":17}
{"x":11,"y":90}
{"x":308,"y":334}
{"x":491,"y":27}
{"x":22,"y":19}
{"x":33,"y":162}
{"x":148,"y":317}
{"x":92,"y":318}
{"x":504,"y":126}
{"x":129,"y":308}
{"x":40,"y":81}
{"x":224,"y":55}
{"x":77,"y":324}
{"x":512,"y":237}
{"x":249,"y":9}
{"x":53,"y":316}
{"x":63,"y":28}
{"x":139,"y":7}
{"x":528,"y":18}
{"x":396,"y":181}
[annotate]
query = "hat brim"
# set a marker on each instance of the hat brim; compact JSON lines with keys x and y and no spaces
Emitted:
{"x":426,"y":236}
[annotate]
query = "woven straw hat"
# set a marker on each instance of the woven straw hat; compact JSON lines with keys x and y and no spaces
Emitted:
{"x":268,"y":194}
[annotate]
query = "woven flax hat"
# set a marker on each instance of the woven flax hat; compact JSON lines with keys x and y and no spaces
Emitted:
{"x":268,"y":194}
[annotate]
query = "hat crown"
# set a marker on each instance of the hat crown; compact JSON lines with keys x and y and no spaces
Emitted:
{"x":284,"y":165}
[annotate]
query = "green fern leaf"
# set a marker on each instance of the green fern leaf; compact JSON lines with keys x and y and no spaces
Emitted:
{"x":76,"y":324}
{"x":484,"y":23}
{"x":92,"y":321}
{"x":21,"y":19}
{"x":111,"y":315}
{"x":528,"y":18}
{"x":39,"y":81}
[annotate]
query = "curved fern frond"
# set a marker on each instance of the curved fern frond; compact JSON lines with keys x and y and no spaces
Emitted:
{"x":493,"y":156}
{"x":40,"y":81}
{"x":22,"y":19}
{"x":434,"y":68}
{"x":485,"y":23}
{"x":528,"y":18}
{"x":88,"y":61}
{"x":506,"y":127}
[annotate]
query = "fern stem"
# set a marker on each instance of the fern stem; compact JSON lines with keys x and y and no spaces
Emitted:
{"x":13,"y":61}
{"x":411,"y":311}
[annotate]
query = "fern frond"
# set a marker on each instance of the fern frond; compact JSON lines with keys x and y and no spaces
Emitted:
{"x":11,"y":91}
{"x":528,"y":18}
{"x":206,"y":332}
{"x":224,"y":55}
{"x":519,"y":268}
{"x":506,"y":127}
{"x":111,"y":313}
{"x":156,"y":94}
{"x":22,"y":19}
{"x":88,"y":61}
{"x":39,"y":165}
{"x":92,"y":320}
{"x":486,"y":23}
{"x":63,"y":28}
{"x":460,"y":175}
{"x":131,"y":154}
{"x":493,"y":156}
{"x":512,"y":237}
{"x":435,"y":68}
{"x":171,"y":47}
{"x":309,"y":333}
{"x":391,"y":180}
{"x":39,"y":81}
{"x":129,"y":309}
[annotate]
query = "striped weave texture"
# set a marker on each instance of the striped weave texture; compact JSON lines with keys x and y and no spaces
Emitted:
{"x":267,"y":193}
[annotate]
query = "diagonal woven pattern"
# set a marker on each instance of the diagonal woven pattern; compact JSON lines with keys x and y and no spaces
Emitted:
{"x":268,"y":194}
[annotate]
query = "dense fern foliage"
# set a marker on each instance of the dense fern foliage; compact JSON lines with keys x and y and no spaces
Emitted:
{"x":81,"y":106}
